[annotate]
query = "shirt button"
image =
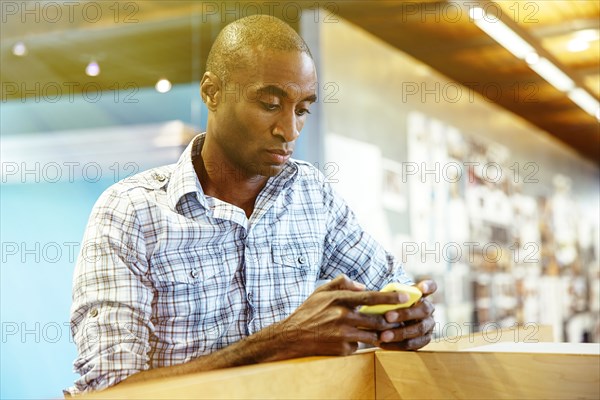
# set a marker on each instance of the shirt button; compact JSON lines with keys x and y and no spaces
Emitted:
{"x":301,"y":259}
{"x":93,"y":312}
{"x":160,"y":178}
{"x":194,"y":273}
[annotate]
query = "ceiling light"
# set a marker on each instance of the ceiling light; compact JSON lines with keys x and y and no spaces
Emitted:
{"x":588,"y":35}
{"x":19,"y":49}
{"x":92,"y":69}
{"x":553,"y":75}
{"x":163,"y":86}
{"x":532,"y":58}
{"x":518,"y":46}
{"x":576,"y":45}
{"x":501,"y":33}
{"x":476,"y":13}
{"x":582,"y":39}
{"x":586,"y":101}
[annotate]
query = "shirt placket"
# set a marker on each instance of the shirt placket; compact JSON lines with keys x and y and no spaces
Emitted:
{"x":249,"y":268}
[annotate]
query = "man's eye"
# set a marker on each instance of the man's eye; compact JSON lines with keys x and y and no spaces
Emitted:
{"x":270,"y":106}
{"x":302,"y":111}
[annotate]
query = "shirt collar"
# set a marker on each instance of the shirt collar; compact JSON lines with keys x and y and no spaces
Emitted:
{"x":184,"y":179}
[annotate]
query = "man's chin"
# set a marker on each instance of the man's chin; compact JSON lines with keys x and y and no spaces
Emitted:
{"x":266,"y":170}
{"x":271,"y":170}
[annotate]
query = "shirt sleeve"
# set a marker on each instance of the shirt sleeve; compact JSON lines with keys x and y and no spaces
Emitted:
{"x":350,"y":250}
{"x":111,"y":311}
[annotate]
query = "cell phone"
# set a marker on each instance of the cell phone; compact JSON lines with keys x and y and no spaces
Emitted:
{"x":412,"y":291}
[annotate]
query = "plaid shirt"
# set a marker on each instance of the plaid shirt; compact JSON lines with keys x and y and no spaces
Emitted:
{"x":167,"y":274}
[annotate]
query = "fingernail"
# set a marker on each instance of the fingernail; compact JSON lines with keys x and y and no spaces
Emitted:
{"x":403,"y":297}
{"x":359,"y":285}
{"x":425,"y":286}
{"x":387,"y":336}
{"x":391,"y":316}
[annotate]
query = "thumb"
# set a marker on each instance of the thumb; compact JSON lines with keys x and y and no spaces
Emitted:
{"x":341,"y":282}
{"x":427,"y":287}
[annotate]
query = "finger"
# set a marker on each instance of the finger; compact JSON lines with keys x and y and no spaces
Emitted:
{"x":353,"y":346}
{"x":410,"y":331}
{"x":370,"y":321}
{"x":341,"y":282}
{"x":427,"y":287}
{"x":359,"y":335}
{"x":419,"y":311}
{"x":368,"y":298}
{"x":346,"y":333}
{"x":409,"y":344}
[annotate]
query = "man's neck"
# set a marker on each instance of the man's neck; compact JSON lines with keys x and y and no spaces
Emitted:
{"x":224,"y":180}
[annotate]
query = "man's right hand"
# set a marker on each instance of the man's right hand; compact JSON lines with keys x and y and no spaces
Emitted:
{"x":329,"y":323}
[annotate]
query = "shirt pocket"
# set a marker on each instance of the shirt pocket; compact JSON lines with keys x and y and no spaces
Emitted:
{"x":299,"y":256}
{"x":191,"y":266}
{"x":295,"y":271}
{"x":190,"y":285}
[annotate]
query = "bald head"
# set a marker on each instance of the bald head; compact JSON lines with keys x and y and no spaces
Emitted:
{"x":236,"y":42}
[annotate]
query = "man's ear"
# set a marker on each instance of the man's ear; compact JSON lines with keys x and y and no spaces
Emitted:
{"x":210,"y":90}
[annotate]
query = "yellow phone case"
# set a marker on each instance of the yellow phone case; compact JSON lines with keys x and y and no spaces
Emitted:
{"x":414,"y":293}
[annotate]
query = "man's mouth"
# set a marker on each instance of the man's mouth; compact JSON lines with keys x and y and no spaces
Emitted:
{"x":280,"y":156}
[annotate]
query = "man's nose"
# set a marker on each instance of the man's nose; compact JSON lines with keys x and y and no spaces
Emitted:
{"x":287,"y":127}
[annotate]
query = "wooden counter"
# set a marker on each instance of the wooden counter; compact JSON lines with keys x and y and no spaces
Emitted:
{"x":482,"y":374}
{"x":468,"y":367}
{"x":350,"y":377}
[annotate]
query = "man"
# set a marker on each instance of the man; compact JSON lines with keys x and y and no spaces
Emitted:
{"x":212,"y":262}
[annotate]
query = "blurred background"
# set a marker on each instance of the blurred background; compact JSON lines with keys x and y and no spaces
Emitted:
{"x":464,"y":134}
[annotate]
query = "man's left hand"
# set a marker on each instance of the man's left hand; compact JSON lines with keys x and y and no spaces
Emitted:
{"x":415,"y":323}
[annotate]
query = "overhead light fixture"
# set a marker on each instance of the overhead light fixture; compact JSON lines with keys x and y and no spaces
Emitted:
{"x":518,"y":46}
{"x":501,"y":33}
{"x":586,"y":101}
{"x":554,"y":75}
{"x":92,"y":69}
{"x":581,"y":40}
{"x":19,"y":49}
{"x":476,"y":13}
{"x":576,"y":45}
{"x":532,"y":58}
{"x":163,"y":86}
{"x":589,"y":35}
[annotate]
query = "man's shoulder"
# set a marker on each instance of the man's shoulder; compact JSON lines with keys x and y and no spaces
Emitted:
{"x":139,"y":186}
{"x":150,"y":179}
{"x":308,"y":173}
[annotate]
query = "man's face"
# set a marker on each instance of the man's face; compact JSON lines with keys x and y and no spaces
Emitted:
{"x":262,"y":110}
